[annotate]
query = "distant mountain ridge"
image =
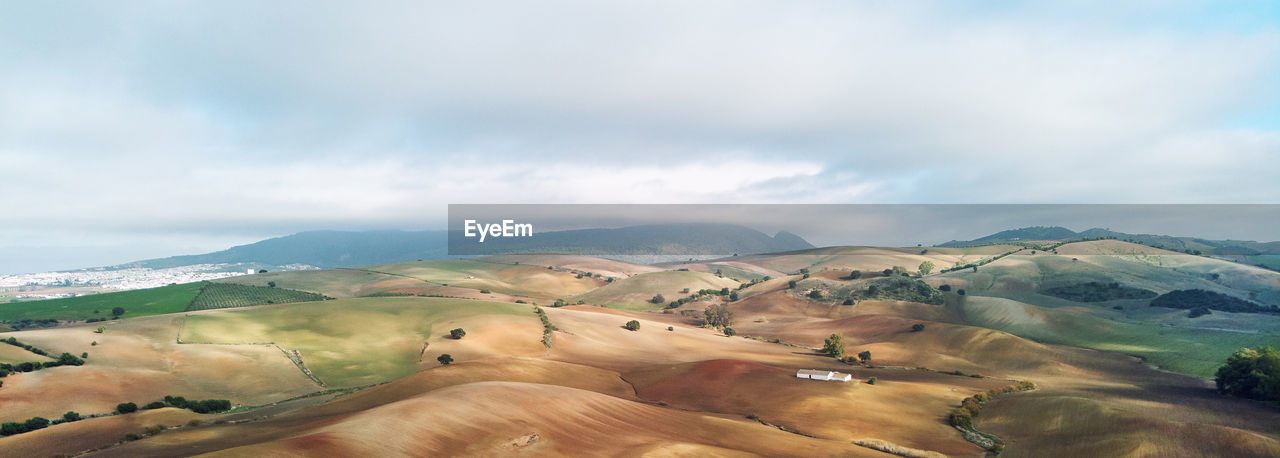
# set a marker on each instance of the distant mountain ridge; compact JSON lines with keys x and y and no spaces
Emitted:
{"x":1062,"y":234}
{"x":654,"y":239}
{"x":331,"y":249}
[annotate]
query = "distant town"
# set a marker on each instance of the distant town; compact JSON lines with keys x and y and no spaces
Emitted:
{"x":50,"y":285}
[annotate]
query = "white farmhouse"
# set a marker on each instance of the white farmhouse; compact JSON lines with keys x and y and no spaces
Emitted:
{"x":823,"y":375}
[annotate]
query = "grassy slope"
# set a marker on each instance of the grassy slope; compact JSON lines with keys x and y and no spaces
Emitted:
{"x":350,"y":342}
{"x":230,"y":295}
{"x":143,"y":302}
{"x":521,"y":280}
{"x":634,"y":293}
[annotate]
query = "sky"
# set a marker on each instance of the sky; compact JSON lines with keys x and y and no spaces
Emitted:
{"x":131,"y":130}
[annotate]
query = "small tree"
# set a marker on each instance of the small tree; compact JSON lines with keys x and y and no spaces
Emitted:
{"x":671,"y":328}
{"x":815,"y":294}
{"x":834,"y":346}
{"x":271,"y":284}
{"x":457,"y":333}
{"x":855,"y":275}
{"x":960,"y":292}
{"x":917,"y":327}
{"x":126,"y":407}
{"x":730,"y":332}
{"x":117,"y":311}
{"x":658,"y":299}
{"x":733,"y":296}
{"x":864,"y":356}
{"x":926,"y":267}
{"x":871,"y":381}
{"x":445,"y":359}
{"x":718,"y":315}
{"x":100,"y":329}
{"x":632,"y":325}
{"x":71,"y":416}
{"x":791,"y":284}
{"x":944,"y":288}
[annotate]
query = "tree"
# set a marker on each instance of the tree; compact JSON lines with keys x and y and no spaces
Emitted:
{"x":1253,"y":374}
{"x":100,"y":329}
{"x":917,"y":327}
{"x":815,"y":294}
{"x":35,"y":423}
{"x":724,"y":291}
{"x":871,"y":381}
{"x":855,"y":275}
{"x":791,"y":284}
{"x":960,"y":292}
{"x":271,"y":284}
{"x":733,"y":296}
{"x":926,"y":267}
{"x":730,"y":332}
{"x":71,"y":416}
{"x":632,"y":325}
{"x":126,"y":407}
{"x":558,"y":303}
{"x":671,"y":328}
{"x":457,"y":333}
{"x":445,"y":359}
{"x":847,"y":302}
{"x":864,"y":356}
{"x":834,"y":346}
{"x":718,"y":315}
{"x":117,"y":311}
{"x":658,"y":299}
{"x":262,"y":271}
{"x":944,"y":288}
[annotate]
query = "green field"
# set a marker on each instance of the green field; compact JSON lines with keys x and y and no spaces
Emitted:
{"x":1172,"y":345}
{"x":142,"y":302}
{"x":230,"y":295}
{"x":346,"y":342}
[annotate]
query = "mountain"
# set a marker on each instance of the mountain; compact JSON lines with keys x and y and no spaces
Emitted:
{"x":329,"y":249}
{"x":324,"y":249}
{"x":1185,"y":244}
{"x":654,"y":239}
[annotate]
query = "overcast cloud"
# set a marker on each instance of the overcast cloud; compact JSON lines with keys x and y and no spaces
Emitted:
{"x":139,"y":129}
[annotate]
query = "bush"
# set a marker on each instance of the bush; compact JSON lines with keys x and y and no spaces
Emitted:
{"x":35,"y":423}
{"x":658,"y":299}
{"x":855,"y":275}
{"x":917,"y":327}
{"x":71,"y":416}
{"x":11,"y":428}
{"x":153,"y":405}
{"x":445,"y":359}
{"x":815,"y":294}
{"x":632,"y":325}
{"x":944,"y":288}
{"x":730,"y":332}
{"x":791,"y":284}
{"x":960,"y":292}
{"x":671,"y":328}
{"x":864,"y":356}
{"x":871,"y":381}
{"x":457,"y":333}
{"x":117,"y":311}
{"x":485,"y":291}
{"x":126,"y":407}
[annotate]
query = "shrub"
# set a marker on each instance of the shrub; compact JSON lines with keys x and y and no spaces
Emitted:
{"x":132,"y":437}
{"x":917,"y":327}
{"x":855,"y":275}
{"x":153,"y":405}
{"x":733,"y":296}
{"x":558,"y":303}
{"x":126,"y":407}
{"x":658,"y":299}
{"x":864,"y":356}
{"x":632,"y":325}
{"x":671,"y":328}
{"x":100,"y":330}
{"x":35,"y":423}
{"x":871,"y":381}
{"x":71,"y":416}
{"x":815,"y":294}
{"x":960,"y":292}
{"x":485,"y":291}
{"x":11,"y":428}
{"x":153,"y":430}
{"x":117,"y":311}
{"x":457,"y":333}
{"x":791,"y":284}
{"x":730,"y":332}
{"x":445,"y":359}
{"x":271,"y":284}
{"x":944,"y":288}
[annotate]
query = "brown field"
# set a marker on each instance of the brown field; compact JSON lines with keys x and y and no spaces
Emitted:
{"x":605,"y":390}
{"x":13,"y":354}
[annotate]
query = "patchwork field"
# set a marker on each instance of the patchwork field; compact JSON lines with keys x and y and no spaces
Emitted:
{"x":359,"y":375}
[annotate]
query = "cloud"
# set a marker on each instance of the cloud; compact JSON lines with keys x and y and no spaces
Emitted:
{"x":292,"y":115}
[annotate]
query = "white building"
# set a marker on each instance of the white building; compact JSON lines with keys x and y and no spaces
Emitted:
{"x":823,"y":375}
